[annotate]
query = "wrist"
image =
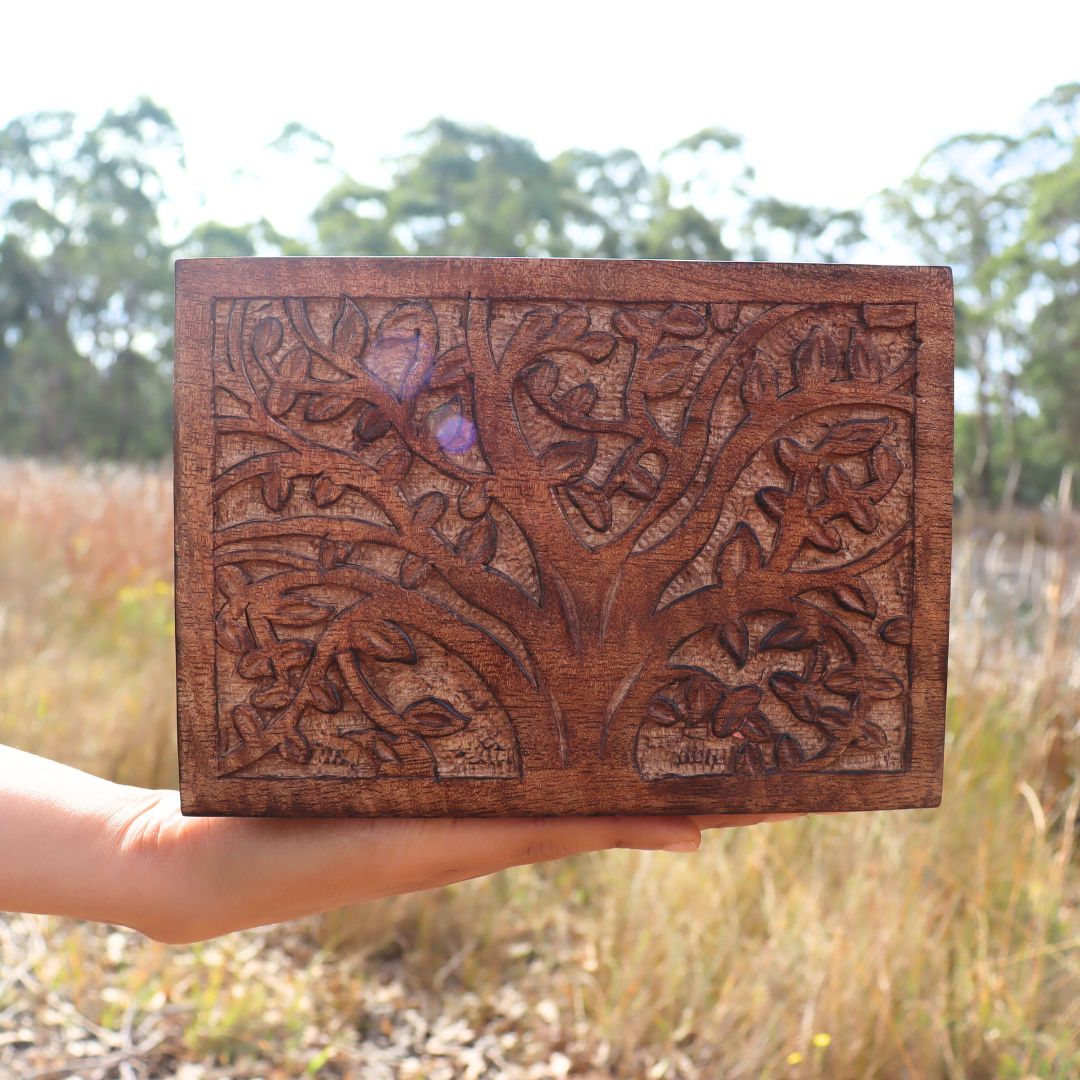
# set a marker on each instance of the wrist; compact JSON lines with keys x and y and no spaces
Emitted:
{"x":137,"y":833}
{"x":72,"y":844}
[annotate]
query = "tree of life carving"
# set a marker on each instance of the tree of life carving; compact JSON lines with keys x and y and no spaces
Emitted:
{"x":676,"y":537}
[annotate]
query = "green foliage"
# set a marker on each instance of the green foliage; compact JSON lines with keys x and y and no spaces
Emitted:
{"x":1004,"y":212}
{"x":86,"y":283}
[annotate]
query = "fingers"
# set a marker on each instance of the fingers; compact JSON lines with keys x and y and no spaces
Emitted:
{"x":418,"y":854}
{"x":732,"y":821}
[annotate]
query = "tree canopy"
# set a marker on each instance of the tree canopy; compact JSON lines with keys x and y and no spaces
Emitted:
{"x":86,"y":281}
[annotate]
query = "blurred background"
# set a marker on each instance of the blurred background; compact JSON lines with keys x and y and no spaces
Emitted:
{"x":918,"y":944}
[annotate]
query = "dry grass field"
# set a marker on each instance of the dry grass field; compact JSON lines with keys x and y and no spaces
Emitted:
{"x":920,"y":944}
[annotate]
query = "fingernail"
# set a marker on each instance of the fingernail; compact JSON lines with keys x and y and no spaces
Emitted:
{"x":682,"y":845}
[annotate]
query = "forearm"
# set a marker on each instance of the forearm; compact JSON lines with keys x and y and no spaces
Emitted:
{"x":64,"y":841}
{"x":72,"y":844}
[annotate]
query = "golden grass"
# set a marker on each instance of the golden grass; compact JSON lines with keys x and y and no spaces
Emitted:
{"x":919,"y":944}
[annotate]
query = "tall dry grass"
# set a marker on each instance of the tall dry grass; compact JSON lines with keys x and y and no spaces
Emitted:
{"x":917,"y":944}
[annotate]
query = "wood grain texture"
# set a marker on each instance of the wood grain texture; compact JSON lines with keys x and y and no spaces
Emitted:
{"x":513,"y":536}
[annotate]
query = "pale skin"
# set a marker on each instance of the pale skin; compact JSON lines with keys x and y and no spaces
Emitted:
{"x":77,"y":845}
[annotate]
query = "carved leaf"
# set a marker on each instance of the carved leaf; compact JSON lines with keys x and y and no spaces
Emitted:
{"x":817,"y":359}
{"x":568,"y":460}
{"x":294,"y":748}
{"x":300,"y":612}
{"x":760,"y":383}
{"x":876,"y":684}
{"x":394,"y":464}
{"x":863,"y":358}
{"x":735,"y":637}
{"x":282,"y":392}
{"x":232,"y":631}
{"x":383,"y":640}
{"x":248,"y":723}
{"x":541,"y":379}
{"x":789,"y":635}
{"x":843,"y":680}
{"x":325,"y":696}
{"x":434,"y":718}
{"x":371,"y":425}
{"x":737,"y":705}
{"x":450,"y":369}
{"x":231,"y":580}
{"x":749,"y":760}
{"x":428,"y":509}
{"x":703,"y":696}
{"x":887,"y":469}
{"x":474,"y":500}
{"x":848,"y":500}
{"x":851,"y":437}
{"x":414,"y":571}
{"x":593,"y":504}
{"x":535,"y":326}
{"x":632,"y":323}
{"x":882,"y":686}
{"x":723,"y":316}
{"x":739,"y":556}
{"x":790,"y":454}
{"x":579,"y":399}
{"x":639,"y":483}
{"x":834,"y":722}
{"x":266,"y":340}
{"x":682,"y":321}
{"x":350,"y":332}
{"x":664,"y":711}
{"x":569,"y":326}
{"x":896,"y":631}
{"x":755,"y":727}
{"x":856,"y":596}
{"x":276,"y":490}
{"x":772,"y":500}
{"x":323,"y":407}
{"x":254,"y":665}
{"x":668,"y":369}
{"x":822,"y":535}
{"x":271,"y":695}
{"x":789,"y":753}
{"x":595,"y":346}
{"x":292,"y":654}
{"x":792,"y":690}
{"x":324,"y":491}
{"x":383,"y":749}
{"x":406,"y":338}
{"x":871,"y":737}
{"x":334,"y":553}
{"x":478,"y":541}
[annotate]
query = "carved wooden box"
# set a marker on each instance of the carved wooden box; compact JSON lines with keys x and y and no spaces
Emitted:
{"x":510,"y":536}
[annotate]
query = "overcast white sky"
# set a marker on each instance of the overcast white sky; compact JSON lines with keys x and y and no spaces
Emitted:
{"x":835,"y":100}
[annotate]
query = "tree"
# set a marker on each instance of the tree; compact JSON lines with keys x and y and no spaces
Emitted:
{"x":962,"y":207}
{"x":1043,"y":270}
{"x":85,"y":270}
{"x":86,"y":285}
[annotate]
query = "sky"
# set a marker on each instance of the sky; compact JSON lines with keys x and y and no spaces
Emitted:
{"x":835,"y":100}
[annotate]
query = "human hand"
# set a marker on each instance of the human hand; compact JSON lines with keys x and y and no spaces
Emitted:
{"x":73,"y":844}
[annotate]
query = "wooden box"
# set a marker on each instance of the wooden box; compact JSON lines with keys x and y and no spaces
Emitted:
{"x":511,"y":536}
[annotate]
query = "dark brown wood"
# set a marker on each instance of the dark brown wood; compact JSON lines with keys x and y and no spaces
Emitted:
{"x":511,"y":536}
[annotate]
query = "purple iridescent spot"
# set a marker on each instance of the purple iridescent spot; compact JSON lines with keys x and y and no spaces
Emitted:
{"x":456,"y":434}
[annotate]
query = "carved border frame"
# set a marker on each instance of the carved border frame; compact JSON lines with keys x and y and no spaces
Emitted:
{"x":580,"y":789}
